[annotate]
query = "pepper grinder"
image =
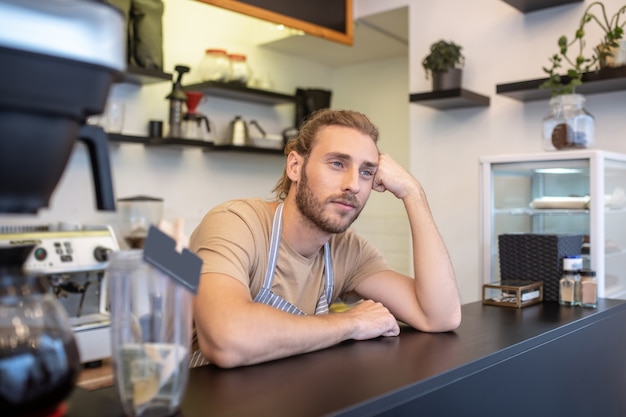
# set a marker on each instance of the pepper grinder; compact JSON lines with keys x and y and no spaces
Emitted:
{"x":177,"y":98}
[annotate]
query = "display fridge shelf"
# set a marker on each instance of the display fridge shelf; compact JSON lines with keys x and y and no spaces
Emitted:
{"x":541,"y":212}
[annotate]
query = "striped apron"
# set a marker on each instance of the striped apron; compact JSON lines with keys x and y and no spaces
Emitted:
{"x":267,"y":296}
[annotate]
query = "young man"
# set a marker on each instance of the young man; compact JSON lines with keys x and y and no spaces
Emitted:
{"x":271,"y":269}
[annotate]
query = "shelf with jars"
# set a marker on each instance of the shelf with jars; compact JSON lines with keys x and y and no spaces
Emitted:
{"x":240,"y":92}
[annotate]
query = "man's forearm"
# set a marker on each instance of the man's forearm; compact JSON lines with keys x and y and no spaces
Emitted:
{"x":435,"y":282}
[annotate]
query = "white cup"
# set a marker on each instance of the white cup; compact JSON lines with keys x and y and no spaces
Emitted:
{"x":114,"y":117}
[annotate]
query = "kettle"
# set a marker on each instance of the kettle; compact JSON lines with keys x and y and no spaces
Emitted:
{"x":238,"y":132}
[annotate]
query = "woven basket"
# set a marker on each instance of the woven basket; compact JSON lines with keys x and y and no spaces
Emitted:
{"x":537,"y":257}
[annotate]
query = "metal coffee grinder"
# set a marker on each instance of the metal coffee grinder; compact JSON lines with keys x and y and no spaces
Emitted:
{"x":177,"y":99}
{"x":136,"y":214}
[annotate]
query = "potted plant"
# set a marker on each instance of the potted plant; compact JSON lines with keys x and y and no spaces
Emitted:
{"x":569,"y":125}
{"x":613,"y":31}
{"x":444,"y":63}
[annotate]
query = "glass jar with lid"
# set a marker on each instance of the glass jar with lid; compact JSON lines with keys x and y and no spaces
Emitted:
{"x":240,"y":70}
{"x":215,"y":65}
{"x":568,"y":125}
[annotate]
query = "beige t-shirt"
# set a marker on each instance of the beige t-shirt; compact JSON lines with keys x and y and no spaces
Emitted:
{"x":233,"y":239}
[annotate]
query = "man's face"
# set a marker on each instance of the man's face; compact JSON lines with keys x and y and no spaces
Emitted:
{"x":336,"y":179}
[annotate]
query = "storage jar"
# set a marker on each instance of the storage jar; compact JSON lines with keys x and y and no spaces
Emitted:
{"x":568,"y":125}
{"x":215,"y":65}
{"x":240,"y":71}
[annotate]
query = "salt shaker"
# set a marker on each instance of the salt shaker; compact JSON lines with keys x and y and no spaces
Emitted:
{"x":589,"y":288}
{"x":569,"y":285}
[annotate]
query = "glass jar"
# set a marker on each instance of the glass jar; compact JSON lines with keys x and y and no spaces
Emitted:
{"x":240,"y":71}
{"x":589,"y":288}
{"x":569,"y":284}
{"x":215,"y":65}
{"x":568,"y":125}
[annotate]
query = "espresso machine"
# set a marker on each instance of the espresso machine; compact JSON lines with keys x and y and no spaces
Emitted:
{"x":74,"y":261}
{"x":59,"y":60}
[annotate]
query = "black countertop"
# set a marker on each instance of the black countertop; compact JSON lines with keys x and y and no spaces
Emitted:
{"x":363,"y":378}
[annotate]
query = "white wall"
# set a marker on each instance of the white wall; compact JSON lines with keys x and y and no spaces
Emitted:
{"x":501,"y":45}
{"x":190,"y":181}
{"x":363,"y":88}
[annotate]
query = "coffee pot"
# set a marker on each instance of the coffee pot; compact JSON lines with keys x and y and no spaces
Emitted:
{"x":39,"y":359}
{"x":196,"y":125}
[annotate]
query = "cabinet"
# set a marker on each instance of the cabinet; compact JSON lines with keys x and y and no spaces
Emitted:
{"x":578,"y":191}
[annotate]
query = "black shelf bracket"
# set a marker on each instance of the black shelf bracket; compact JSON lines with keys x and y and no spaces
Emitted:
{"x":450,"y":99}
{"x":527,"y":6}
{"x":143,"y":76}
{"x":605,"y":80}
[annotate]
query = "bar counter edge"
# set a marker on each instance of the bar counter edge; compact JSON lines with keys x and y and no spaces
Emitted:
{"x":538,"y":360}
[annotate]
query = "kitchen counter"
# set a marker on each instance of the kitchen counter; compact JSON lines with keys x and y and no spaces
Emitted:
{"x":544,"y":359}
{"x":92,"y":378}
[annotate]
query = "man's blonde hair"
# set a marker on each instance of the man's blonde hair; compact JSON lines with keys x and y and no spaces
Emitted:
{"x":305,"y":139}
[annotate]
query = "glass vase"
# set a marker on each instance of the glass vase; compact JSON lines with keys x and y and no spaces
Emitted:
{"x":568,"y":125}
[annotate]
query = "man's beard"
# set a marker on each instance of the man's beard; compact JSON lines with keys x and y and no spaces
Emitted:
{"x":313,"y":210}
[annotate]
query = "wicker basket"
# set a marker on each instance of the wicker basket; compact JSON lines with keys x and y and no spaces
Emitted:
{"x":537,"y":257}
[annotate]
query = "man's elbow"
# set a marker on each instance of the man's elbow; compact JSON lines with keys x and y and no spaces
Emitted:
{"x":446,"y":324}
{"x":223,"y":354}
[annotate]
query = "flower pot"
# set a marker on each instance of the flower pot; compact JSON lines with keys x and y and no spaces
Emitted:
{"x":568,"y":125}
{"x":447,"y":80}
{"x":612,"y":56}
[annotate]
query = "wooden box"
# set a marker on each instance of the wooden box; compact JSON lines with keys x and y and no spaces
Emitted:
{"x":513,"y":293}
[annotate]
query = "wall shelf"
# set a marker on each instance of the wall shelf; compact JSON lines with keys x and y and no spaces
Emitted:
{"x":240,"y":92}
{"x":450,"y":99}
{"x":189,"y":143}
{"x":249,"y":149}
{"x":603,"y":81}
{"x":527,"y":6}
{"x":144,"y":76}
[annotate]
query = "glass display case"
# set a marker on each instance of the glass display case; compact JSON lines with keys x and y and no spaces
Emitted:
{"x":566,"y":192}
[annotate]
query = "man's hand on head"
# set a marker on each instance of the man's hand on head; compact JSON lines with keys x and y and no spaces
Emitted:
{"x":392,"y":177}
